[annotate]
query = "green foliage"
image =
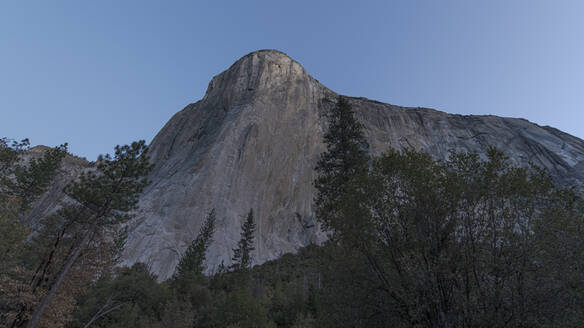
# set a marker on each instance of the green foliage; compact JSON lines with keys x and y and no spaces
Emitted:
{"x":10,"y":154}
{"x":236,"y":309}
{"x":464,"y":243}
{"x":82,"y":239}
{"x":304,"y":321}
{"x":194,"y":257}
{"x":344,"y":162}
{"x":13,"y":233}
{"x":132,"y":299}
{"x":74,"y":245}
{"x":113,"y":188}
{"x":32,"y":179}
{"x":178,"y":313}
{"x":189,"y":287}
{"x":453,"y":244}
{"x":23,"y":177}
{"x":22,"y":180}
{"x":242,"y":257}
{"x":459,"y":244}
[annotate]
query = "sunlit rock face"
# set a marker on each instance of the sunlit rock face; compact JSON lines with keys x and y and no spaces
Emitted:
{"x":254,"y":139}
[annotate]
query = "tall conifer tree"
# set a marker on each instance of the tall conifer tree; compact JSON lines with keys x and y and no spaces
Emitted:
{"x":194,"y":258}
{"x":242,"y":257}
{"x":341,"y":166}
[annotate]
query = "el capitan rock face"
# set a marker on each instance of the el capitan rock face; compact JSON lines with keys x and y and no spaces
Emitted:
{"x":254,"y":139}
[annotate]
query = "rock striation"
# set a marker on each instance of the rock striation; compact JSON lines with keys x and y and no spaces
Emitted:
{"x":254,"y":139}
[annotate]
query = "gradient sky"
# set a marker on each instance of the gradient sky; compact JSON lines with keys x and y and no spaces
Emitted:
{"x":100,"y":73}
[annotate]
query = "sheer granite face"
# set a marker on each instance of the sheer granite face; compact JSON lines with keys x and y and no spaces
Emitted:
{"x":253,"y":142}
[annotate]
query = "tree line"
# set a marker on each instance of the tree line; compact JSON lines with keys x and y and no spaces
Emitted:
{"x":414,"y":242}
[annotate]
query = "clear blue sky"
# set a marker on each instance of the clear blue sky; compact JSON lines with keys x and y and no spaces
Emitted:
{"x":101,"y":73}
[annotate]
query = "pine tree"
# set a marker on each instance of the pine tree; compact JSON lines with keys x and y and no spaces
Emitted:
{"x":194,"y":257}
{"x":10,"y":154}
{"x":22,"y":181}
{"x":33,"y":178}
{"x":342,"y":175}
{"x":242,"y":258}
{"x":103,"y":198}
{"x":343,"y":163}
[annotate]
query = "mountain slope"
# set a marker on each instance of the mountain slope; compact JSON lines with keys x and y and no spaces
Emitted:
{"x":253,"y":141}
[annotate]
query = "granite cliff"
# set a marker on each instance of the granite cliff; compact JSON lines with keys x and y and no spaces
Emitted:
{"x":253,"y":141}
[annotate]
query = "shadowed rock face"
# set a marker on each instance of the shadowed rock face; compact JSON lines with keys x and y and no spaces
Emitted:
{"x":254,"y":139}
